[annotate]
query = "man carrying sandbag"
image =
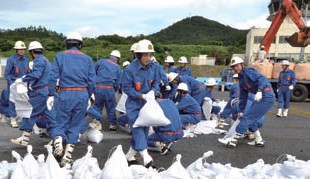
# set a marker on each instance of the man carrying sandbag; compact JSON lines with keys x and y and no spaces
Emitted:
{"x":140,"y":77}
{"x":250,"y":81}
{"x":286,"y":83}
{"x":38,"y":79}
{"x":16,"y":67}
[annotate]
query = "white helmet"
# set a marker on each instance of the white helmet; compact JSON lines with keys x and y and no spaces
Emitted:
{"x":144,"y":46}
{"x":183,"y":60}
{"x":35,"y":45}
{"x":210,"y":82}
{"x":125,"y":63}
{"x":235,"y":61}
{"x":133,"y":47}
{"x":235,"y":75}
{"x":262,"y":47}
{"x":19,"y":45}
{"x":169,"y":59}
{"x":74,"y":36}
{"x":116,"y":53}
{"x":285,"y":62}
{"x":183,"y":87}
{"x":172,"y":76}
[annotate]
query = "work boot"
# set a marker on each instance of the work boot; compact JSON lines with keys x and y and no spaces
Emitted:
{"x":166,"y":148}
{"x":258,"y":141}
{"x":279,"y":112}
{"x":229,"y":142}
{"x":112,"y":128}
{"x":67,"y":158}
{"x":147,"y":159}
{"x":125,"y":128}
{"x":58,"y":148}
{"x":23,"y":140}
{"x":14,"y":123}
{"x":158,"y":146}
{"x":96,"y":125}
{"x":130,"y":156}
{"x":285,"y":112}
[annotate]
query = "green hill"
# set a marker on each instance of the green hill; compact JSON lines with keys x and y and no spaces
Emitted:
{"x":199,"y":30}
{"x":188,"y":37}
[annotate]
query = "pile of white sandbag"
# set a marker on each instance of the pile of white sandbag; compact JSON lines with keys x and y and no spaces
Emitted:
{"x":116,"y":167}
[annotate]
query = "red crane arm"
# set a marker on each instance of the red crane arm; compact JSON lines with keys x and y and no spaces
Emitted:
{"x":288,"y":8}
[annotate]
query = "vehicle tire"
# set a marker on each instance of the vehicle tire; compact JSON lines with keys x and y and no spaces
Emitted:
{"x":299,"y":93}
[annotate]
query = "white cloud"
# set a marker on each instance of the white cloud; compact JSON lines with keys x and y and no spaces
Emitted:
{"x":258,"y":22}
{"x":101,"y":17}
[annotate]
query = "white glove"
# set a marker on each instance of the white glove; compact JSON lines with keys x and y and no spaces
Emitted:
{"x":258,"y":96}
{"x":278,"y":90}
{"x":50,"y":102}
{"x":18,"y":80}
{"x":240,"y":115}
{"x":168,"y":88}
{"x":291,"y":87}
{"x":30,"y":65}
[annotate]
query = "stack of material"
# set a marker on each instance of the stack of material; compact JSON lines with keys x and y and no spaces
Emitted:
{"x":277,"y":68}
{"x":264,"y":68}
{"x":301,"y":71}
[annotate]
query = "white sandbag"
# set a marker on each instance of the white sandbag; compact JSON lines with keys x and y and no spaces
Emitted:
{"x":207,"y":107}
{"x":222,"y":105}
{"x":21,"y":88}
{"x":116,"y":166}
{"x":30,"y":164}
{"x":208,"y":127}
{"x":176,"y":170}
{"x":295,"y":168}
{"x":232,"y":129}
{"x":151,"y":114}
{"x":22,"y":106}
{"x":188,"y":133}
{"x":121,"y":103}
{"x":199,"y":169}
{"x":6,"y":169}
{"x":4,"y":174}
{"x":138,"y":171}
{"x":86,"y":167}
{"x":257,"y":170}
{"x":44,"y":172}
{"x":19,"y":170}
{"x":94,"y":135}
{"x":151,"y":174}
{"x":53,"y":168}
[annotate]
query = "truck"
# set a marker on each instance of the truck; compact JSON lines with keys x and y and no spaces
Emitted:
{"x":291,"y":8}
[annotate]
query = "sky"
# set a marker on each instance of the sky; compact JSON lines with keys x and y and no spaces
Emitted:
{"x":128,"y":17}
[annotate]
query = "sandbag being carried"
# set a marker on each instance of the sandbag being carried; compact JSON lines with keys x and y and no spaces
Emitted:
{"x":151,"y":114}
{"x":22,"y":106}
{"x":121,"y":103}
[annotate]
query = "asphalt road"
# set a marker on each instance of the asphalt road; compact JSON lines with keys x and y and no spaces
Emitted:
{"x":282,"y":135}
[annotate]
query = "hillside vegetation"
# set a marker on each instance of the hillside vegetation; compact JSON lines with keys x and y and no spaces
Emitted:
{"x":210,"y":38}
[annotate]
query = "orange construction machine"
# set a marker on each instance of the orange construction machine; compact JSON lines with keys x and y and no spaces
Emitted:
{"x":290,"y":8}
